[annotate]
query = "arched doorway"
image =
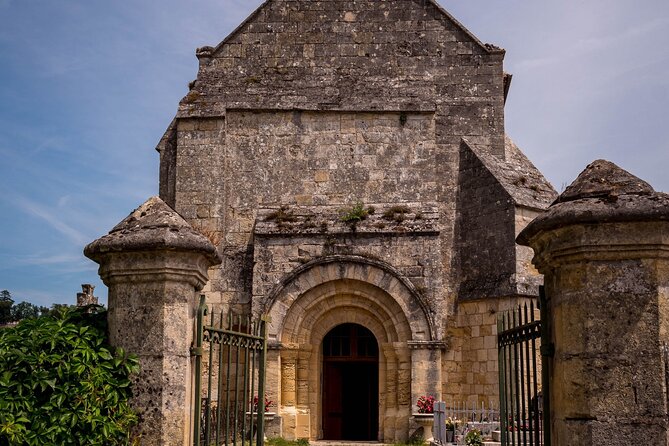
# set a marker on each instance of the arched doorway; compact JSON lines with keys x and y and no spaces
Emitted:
{"x":350,"y":384}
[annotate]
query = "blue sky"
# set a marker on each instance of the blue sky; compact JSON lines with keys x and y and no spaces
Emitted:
{"x":87,"y":88}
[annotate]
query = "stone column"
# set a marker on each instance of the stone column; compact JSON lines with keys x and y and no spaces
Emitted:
{"x":288,"y":391}
{"x":272,"y":389}
{"x":404,"y":380}
{"x":154,"y":263}
{"x":388,"y":398}
{"x":603,"y":248}
{"x":425,"y":370}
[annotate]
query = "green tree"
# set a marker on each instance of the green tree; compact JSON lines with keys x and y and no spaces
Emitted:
{"x":24,"y":310}
{"x":6,"y":303}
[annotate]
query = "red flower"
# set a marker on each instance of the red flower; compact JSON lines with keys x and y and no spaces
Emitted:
{"x":425,"y":404}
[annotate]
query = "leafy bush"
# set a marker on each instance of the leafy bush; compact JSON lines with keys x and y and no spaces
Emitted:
{"x":61,"y":384}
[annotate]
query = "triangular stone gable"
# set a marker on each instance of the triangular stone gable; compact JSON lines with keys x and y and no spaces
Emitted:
{"x":272,"y":9}
{"x":343,"y":55}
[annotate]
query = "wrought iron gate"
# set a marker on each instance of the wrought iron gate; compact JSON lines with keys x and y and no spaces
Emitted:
{"x":232,"y":410}
{"x":523,"y":390}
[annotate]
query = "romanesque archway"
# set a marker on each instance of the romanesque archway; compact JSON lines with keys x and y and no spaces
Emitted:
{"x":330,"y":292}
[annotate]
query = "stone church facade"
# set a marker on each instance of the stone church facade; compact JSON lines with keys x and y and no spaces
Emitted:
{"x":349,"y":160}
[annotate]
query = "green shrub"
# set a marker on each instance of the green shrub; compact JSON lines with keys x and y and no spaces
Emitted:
{"x":61,"y":384}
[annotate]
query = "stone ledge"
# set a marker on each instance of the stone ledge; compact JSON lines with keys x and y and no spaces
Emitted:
{"x":301,"y":220}
{"x":427,"y":345}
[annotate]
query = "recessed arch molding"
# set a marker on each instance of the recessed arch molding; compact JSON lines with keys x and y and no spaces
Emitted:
{"x":362,"y":278}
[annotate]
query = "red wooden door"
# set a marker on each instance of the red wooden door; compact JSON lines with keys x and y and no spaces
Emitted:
{"x":350,"y":384}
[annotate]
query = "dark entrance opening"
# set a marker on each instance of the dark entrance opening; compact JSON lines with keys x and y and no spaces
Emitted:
{"x":350,"y":384}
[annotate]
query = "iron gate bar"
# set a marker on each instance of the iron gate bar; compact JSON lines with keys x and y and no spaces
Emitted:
{"x":547,"y":351}
{"x":197,"y":352}
{"x":528,"y":388}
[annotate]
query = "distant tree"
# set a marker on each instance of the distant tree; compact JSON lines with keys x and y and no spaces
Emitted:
{"x":6,"y":303}
{"x":24,"y":310}
{"x":57,"y":310}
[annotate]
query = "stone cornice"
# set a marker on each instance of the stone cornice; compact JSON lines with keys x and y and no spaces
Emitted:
{"x":601,"y":242}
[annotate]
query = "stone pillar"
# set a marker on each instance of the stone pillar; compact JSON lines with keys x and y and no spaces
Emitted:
{"x":404,"y":381}
{"x":603,"y":248}
{"x":288,"y":392}
{"x":304,"y":375}
{"x":425,"y":370}
{"x":272,"y":389}
{"x":154,"y":263}
{"x":388,"y":398}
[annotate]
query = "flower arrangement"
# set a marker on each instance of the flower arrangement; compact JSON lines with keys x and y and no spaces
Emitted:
{"x":425,"y":404}
{"x":474,"y":438}
{"x":450,"y":424}
{"x":268,"y":403}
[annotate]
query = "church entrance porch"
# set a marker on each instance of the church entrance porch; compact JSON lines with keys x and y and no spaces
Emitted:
{"x":350,"y":384}
{"x":351,"y":349}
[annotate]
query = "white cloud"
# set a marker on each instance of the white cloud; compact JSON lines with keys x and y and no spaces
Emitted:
{"x":56,"y":222}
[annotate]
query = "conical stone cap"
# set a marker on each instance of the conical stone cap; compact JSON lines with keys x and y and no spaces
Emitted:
{"x":602,"y":193}
{"x":602,"y":179}
{"x":152,"y":226}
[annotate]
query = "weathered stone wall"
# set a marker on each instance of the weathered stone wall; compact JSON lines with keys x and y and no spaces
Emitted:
{"x":363,"y":55}
{"x":470,"y":361}
{"x":484,"y":231}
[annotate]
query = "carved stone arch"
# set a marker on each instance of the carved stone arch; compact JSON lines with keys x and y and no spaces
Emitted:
{"x":372,"y":281}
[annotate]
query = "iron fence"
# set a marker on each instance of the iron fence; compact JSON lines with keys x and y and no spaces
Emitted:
{"x":523,"y":383}
{"x":230,"y":410}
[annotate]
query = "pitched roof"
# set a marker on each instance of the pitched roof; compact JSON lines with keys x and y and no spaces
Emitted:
{"x":517,"y":175}
{"x":485,"y":46}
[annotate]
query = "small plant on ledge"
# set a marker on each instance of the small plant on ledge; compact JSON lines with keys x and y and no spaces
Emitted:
{"x":356,"y":213}
{"x":425,"y":404}
{"x":397,"y":213}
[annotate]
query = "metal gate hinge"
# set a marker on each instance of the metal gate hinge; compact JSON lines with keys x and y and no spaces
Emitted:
{"x":548,"y":350}
{"x":196,"y":351}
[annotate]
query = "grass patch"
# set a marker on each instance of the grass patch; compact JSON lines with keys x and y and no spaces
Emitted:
{"x":280,"y":441}
{"x":396,"y":213}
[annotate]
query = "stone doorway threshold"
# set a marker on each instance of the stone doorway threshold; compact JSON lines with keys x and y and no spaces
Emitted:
{"x":347,"y":443}
{"x":376,"y":443}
